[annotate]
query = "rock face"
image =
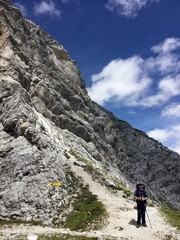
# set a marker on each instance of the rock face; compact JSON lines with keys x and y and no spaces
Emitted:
{"x":44,"y":110}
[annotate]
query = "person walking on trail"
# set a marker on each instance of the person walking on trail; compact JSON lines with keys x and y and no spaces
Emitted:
{"x":140,"y":196}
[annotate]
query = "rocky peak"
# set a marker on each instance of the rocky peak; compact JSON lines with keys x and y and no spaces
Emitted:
{"x":44,"y":110}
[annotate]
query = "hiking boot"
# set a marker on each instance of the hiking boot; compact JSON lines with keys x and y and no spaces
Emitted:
{"x":144,"y":225}
{"x":138,"y":225}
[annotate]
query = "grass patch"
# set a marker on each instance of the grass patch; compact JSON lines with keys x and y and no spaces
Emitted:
{"x":17,"y":237}
{"x":120,"y":186}
{"x":96,"y":174}
{"x":87,"y":212}
{"x":150,"y":203}
{"x":126,"y":193}
{"x":64,"y":237}
{"x":168,"y":237}
{"x":66,"y":154}
{"x":56,"y":237}
{"x":77,"y":156}
{"x":19,"y":222}
{"x":100,"y":176}
{"x":172,"y":215}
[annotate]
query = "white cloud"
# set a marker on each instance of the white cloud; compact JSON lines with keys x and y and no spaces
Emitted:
{"x":120,"y":80}
{"x":22,"y":8}
{"x":167,"y":88}
{"x":172,"y":110}
{"x":130,"y":82}
{"x":128,"y":8}
{"x":170,"y":86}
{"x":163,"y":63}
{"x":47,"y":7}
{"x":176,"y":147}
{"x":161,"y":135}
{"x":167,"y":46}
{"x":169,"y":137}
{"x":168,"y":59}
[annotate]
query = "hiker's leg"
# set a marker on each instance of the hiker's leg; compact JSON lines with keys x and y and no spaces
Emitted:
{"x":138,"y":216}
{"x":144,"y":214}
{"x":139,"y":213}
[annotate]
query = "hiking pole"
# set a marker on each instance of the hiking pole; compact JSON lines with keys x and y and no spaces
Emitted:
{"x":149,"y":219}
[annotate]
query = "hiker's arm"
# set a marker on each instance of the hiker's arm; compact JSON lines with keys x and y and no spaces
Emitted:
{"x":137,"y":198}
{"x":144,"y":198}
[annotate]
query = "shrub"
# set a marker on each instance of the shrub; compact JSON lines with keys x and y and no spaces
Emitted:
{"x":64,"y":237}
{"x":172,"y":215}
{"x":86,"y":211}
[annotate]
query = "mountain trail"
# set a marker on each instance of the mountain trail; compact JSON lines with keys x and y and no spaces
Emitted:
{"x":119,"y":225}
{"x":121,"y":222}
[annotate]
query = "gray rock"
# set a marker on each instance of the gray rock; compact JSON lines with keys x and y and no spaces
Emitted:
{"x":80,"y":164}
{"x":110,"y":184}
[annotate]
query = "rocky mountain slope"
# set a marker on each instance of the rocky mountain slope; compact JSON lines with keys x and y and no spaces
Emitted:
{"x":119,"y":225}
{"x":44,"y":110}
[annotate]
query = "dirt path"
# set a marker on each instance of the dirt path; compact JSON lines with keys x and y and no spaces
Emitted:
{"x":121,"y":222}
{"x":122,"y":215}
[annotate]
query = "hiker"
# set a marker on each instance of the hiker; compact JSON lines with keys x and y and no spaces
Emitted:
{"x":140,"y":196}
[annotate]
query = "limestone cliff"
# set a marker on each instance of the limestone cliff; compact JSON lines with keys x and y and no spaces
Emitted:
{"x":44,"y":110}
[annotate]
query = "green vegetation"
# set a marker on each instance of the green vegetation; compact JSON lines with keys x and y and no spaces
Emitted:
{"x":87,"y":212}
{"x":168,"y":237}
{"x":17,"y":237}
{"x":150,"y":203}
{"x":122,"y":187}
{"x":19,"y":222}
{"x":95,"y":173}
{"x":78,"y":156}
{"x":66,"y":154}
{"x":64,"y":237}
{"x":127,"y":193}
{"x":56,"y":237}
{"x":99,"y":175}
{"x":172,"y":215}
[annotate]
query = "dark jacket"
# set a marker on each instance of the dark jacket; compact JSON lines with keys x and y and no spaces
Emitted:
{"x":140,"y":193}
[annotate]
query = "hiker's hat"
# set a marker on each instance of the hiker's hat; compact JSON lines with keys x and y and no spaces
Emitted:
{"x":140,"y":184}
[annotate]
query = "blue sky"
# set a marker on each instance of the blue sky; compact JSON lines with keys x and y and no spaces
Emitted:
{"x":128,"y":52}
